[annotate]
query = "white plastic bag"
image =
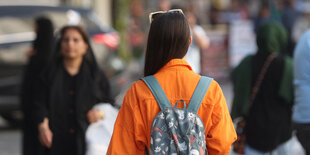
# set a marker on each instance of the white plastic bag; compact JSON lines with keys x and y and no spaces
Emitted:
{"x":98,"y":134}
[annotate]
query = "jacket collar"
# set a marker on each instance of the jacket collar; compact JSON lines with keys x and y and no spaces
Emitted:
{"x":177,"y":63}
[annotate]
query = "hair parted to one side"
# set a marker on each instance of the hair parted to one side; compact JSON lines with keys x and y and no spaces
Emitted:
{"x":169,"y":38}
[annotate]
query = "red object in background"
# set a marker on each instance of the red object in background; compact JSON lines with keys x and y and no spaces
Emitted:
{"x":111,"y":40}
{"x":136,"y":38}
{"x":214,"y":60}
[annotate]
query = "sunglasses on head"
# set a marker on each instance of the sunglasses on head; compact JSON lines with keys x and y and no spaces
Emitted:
{"x":153,"y":15}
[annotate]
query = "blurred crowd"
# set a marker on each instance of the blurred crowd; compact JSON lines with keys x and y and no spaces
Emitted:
{"x":62,"y":81}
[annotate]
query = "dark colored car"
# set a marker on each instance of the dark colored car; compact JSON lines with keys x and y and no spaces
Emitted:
{"x":17,"y":34}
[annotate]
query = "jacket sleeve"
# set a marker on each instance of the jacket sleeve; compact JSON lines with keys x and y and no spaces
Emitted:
{"x":128,"y":136}
{"x":221,"y":134}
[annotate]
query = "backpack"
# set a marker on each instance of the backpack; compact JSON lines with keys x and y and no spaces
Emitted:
{"x":178,"y":131}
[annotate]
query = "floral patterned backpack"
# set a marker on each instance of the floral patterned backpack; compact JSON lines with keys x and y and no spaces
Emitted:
{"x":178,"y":131}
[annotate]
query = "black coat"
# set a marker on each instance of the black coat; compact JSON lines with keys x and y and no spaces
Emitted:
{"x":269,"y":120}
{"x":90,"y":87}
{"x":43,"y":46}
{"x":31,"y":145}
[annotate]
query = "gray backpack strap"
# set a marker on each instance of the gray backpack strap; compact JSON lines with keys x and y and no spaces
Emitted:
{"x":199,"y":93}
{"x":157,"y":91}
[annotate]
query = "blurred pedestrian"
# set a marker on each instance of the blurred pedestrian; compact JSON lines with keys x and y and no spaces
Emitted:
{"x":301,"y":115}
{"x":168,"y":41}
{"x":264,"y":16}
{"x":164,"y":5}
{"x":137,"y":29}
{"x":68,"y":90}
{"x":38,"y":58}
{"x":200,"y":42}
{"x":302,"y":24}
{"x":263,"y":94}
{"x":289,"y":17}
{"x":237,"y":11}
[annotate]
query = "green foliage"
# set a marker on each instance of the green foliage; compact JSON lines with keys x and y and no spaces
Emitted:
{"x":121,"y":22}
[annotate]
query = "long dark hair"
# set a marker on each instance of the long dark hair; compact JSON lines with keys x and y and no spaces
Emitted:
{"x":168,"y":38}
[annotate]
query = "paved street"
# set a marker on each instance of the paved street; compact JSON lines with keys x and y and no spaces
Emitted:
{"x":10,"y":139}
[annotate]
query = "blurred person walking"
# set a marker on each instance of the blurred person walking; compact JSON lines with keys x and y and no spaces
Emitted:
{"x":289,"y":17}
{"x":265,"y":99}
{"x":301,"y":115}
{"x":168,"y":42}
{"x":200,"y":42}
{"x":264,"y":16}
{"x":38,"y":58}
{"x":302,"y":23}
{"x":164,"y":5}
{"x":68,"y":90}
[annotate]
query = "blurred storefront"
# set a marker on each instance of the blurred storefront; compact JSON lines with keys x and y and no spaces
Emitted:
{"x":103,"y":8}
{"x":228,"y":23}
{"x":214,"y":60}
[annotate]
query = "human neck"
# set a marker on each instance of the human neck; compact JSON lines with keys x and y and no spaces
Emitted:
{"x":72,"y":66}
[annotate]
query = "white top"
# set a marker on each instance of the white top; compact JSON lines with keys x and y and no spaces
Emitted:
{"x":193,"y":53}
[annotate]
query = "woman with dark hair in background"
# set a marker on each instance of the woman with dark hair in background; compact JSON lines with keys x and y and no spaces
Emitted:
{"x":168,"y":41}
{"x":39,"y":57}
{"x":69,"y":88}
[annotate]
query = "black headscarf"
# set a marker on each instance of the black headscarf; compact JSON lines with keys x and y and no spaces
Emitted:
{"x":43,"y":48}
{"x":44,"y":42}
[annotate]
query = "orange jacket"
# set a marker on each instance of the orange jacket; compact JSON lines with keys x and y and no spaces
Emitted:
{"x":132,"y":130}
